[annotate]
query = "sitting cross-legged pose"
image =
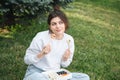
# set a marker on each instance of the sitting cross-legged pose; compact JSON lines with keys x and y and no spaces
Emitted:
{"x":52,"y":49}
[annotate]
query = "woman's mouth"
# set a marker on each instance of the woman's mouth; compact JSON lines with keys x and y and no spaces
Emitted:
{"x":58,"y":30}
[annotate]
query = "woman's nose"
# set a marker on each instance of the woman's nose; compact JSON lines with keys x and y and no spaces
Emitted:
{"x":58,"y":25}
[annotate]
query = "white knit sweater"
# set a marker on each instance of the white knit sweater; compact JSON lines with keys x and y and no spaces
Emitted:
{"x":52,"y":60}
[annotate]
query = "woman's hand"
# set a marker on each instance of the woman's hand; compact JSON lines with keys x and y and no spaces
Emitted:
{"x":46,"y":49}
{"x":66,"y":55}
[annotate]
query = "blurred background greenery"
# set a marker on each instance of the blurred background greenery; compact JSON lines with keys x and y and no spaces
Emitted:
{"x":95,"y":26}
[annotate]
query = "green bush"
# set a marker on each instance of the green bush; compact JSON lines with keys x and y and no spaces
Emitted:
{"x":12,"y":9}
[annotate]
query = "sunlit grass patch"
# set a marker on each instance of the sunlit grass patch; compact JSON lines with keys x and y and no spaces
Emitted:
{"x":96,"y":15}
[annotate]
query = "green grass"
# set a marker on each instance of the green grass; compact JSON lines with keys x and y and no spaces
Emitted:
{"x":109,"y":4}
{"x":96,"y":31}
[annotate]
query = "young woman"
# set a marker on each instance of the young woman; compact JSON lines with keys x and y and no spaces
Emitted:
{"x":51,"y":49}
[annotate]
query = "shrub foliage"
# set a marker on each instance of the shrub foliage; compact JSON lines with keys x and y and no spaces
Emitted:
{"x":12,"y":9}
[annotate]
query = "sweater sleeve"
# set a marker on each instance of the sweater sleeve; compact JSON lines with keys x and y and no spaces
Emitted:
{"x":32,"y":51}
{"x":72,"y":47}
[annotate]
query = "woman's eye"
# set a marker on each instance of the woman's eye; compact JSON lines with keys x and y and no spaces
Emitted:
{"x":53,"y":24}
{"x":61,"y":22}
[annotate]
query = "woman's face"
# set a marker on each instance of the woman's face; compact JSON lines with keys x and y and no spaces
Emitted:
{"x":57,"y":26}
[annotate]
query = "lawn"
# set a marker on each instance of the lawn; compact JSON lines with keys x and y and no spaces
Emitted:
{"x":96,"y":30}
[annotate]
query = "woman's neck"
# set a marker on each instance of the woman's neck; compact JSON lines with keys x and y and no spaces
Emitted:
{"x":59,"y":37}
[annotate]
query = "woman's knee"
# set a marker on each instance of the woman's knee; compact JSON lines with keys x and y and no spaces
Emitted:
{"x":36,"y":76}
{"x":80,"y":76}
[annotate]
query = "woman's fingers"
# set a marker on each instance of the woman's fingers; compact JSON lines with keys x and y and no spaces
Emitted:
{"x":66,"y":55}
{"x":47,"y":49}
